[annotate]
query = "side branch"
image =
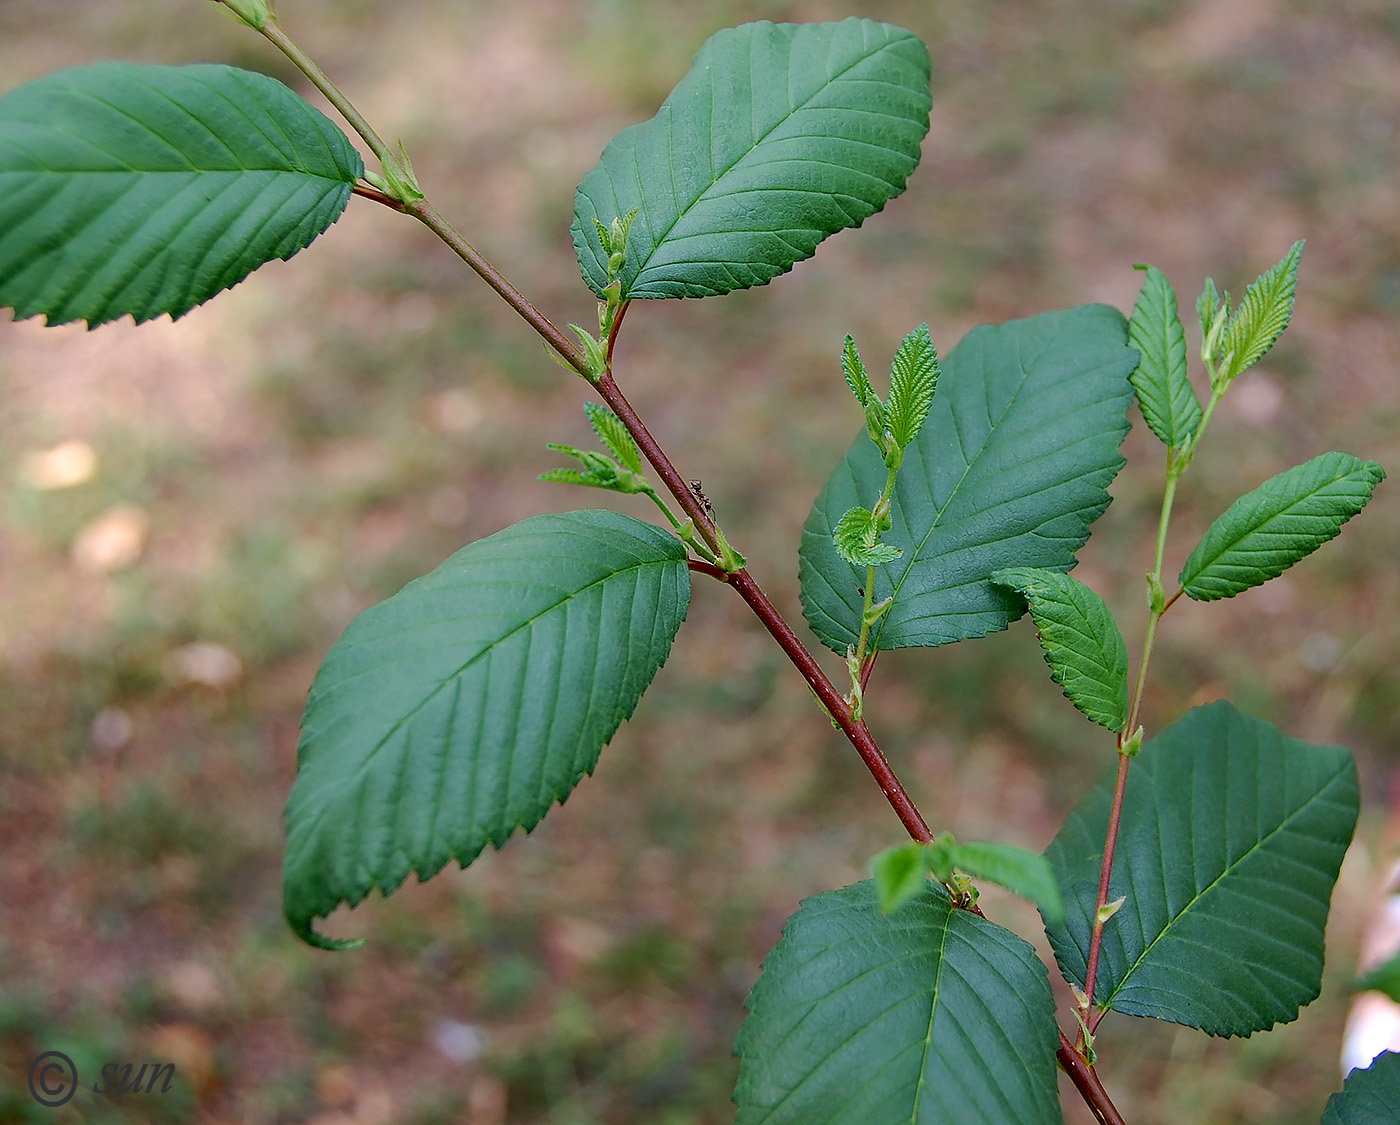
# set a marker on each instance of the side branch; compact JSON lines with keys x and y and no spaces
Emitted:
{"x":428,"y":215}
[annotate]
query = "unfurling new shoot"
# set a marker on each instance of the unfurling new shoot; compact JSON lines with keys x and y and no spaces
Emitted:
{"x":891,"y":425}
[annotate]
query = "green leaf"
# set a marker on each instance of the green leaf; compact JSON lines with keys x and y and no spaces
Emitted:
{"x":144,"y":190}
{"x":928,"y":1015}
{"x":1284,"y":520}
{"x":780,"y":135}
{"x":913,"y":379}
{"x":469,"y":702}
{"x":1384,"y":978}
{"x":1368,"y":1097}
{"x":900,"y":874}
{"x":1263,"y":314}
{"x":856,"y":537}
{"x":856,"y":377}
{"x":1082,"y":643}
{"x":1168,"y":401}
{"x":1024,"y":873}
{"x":613,"y":434}
{"x":1011,"y":468}
{"x":1232,"y":834}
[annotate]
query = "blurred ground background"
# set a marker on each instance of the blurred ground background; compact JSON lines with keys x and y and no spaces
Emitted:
{"x":189,"y":514}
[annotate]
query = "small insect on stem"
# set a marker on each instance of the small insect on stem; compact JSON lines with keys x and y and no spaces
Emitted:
{"x":704,"y":500}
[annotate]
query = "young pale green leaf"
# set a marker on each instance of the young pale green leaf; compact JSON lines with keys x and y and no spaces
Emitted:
{"x":900,"y":874}
{"x":927,"y":1015}
{"x":144,"y":190}
{"x":780,"y":135}
{"x":1025,"y":873}
{"x":1368,"y":1097}
{"x":1168,"y":401}
{"x":1208,"y":307}
{"x":1384,"y":978}
{"x":1284,"y":520}
{"x":613,"y":434}
{"x":1082,"y":643}
{"x":1262,"y":316}
{"x":913,"y":379}
{"x":856,"y":537}
{"x":467,"y":704}
{"x":1010,"y":469}
{"x":856,"y":377}
{"x":1231,"y":837}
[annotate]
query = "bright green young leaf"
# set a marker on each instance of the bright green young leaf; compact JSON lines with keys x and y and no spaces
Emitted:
{"x":144,"y":190}
{"x":929,"y":1015}
{"x":613,"y":434}
{"x":1168,"y":401}
{"x":1368,"y":1097}
{"x":780,"y":135}
{"x":900,"y":874}
{"x":1082,"y":643}
{"x":913,"y":379}
{"x":1010,"y":469}
{"x":1284,"y":520}
{"x":1231,"y":838}
{"x":471,"y":701}
{"x":856,"y":538}
{"x":1383,"y":978}
{"x":1263,"y":314}
{"x":1024,"y":873}
{"x":856,"y":377}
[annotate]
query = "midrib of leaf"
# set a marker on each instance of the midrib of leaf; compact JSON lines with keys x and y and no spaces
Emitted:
{"x":911,"y":951}
{"x":1282,"y":825}
{"x":681,"y":212}
{"x":291,"y":152}
{"x":457,"y":675}
{"x":953,"y":492}
{"x":922,"y":1083}
{"x":1289,"y":512}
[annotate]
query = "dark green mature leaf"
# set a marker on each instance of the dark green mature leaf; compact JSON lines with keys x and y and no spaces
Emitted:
{"x":1263,"y":314}
{"x":780,"y":135}
{"x":1368,"y":1097}
{"x":1231,"y":838}
{"x":468,"y":703}
{"x":1284,"y":520}
{"x":913,"y":380}
{"x":1168,"y":401}
{"x":149,"y":189}
{"x":927,"y":1015}
{"x":1011,"y":468}
{"x":1082,"y":643}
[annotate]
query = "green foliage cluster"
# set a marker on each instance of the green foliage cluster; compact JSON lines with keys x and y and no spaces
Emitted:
{"x":1192,"y":885}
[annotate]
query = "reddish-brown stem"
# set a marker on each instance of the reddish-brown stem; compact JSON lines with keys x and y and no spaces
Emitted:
{"x":367,"y":192}
{"x":1079,"y":1071}
{"x":1172,"y":600}
{"x":1086,"y":1081}
{"x":840,"y":711}
{"x":428,"y":215}
{"x":821,"y":685}
{"x":700,"y":566}
{"x":616,"y":327}
{"x":1110,"y":846}
{"x":867,"y":669}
